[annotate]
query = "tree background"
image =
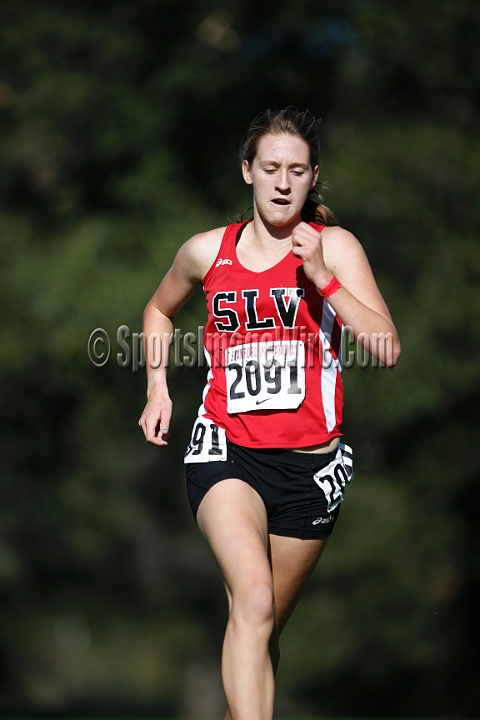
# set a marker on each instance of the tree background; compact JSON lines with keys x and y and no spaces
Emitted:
{"x":120,"y":124}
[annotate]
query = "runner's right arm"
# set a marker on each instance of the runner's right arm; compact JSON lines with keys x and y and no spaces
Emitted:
{"x":186,"y":274}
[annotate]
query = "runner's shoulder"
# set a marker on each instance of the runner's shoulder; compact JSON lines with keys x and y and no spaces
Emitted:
{"x":338,"y":242}
{"x":342,"y":251}
{"x":338,"y":234}
{"x":200,"y":251}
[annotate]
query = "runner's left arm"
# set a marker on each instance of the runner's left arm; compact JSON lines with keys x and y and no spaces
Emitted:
{"x":358,"y":303}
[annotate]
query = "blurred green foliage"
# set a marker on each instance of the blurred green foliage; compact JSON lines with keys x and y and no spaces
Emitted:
{"x":119,"y":129}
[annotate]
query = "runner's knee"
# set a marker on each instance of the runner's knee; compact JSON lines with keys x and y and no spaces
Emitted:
{"x":254,"y":605}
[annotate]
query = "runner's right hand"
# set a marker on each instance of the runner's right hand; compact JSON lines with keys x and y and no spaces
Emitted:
{"x":155,"y":419}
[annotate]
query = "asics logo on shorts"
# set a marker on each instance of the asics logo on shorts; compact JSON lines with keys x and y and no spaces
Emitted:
{"x":322,"y":521}
{"x":223,"y":262}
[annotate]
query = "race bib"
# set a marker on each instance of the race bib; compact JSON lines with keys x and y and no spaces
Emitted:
{"x":208,"y":443}
{"x":336,"y":477}
{"x":265,"y":376}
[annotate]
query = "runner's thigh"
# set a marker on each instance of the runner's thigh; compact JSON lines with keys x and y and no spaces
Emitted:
{"x":293,"y":562}
{"x":233,"y":519}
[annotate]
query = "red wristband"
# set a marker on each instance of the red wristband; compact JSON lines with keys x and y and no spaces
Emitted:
{"x":331,"y":288}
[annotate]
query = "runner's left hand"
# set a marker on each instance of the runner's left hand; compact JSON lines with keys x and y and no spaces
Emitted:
{"x":307,"y":245}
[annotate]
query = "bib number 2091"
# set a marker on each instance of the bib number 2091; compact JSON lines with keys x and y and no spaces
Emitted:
{"x":265,"y":376}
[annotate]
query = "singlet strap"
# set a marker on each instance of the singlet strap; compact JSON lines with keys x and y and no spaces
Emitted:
{"x":240,"y":231}
{"x":317,"y":226}
{"x":227,"y":247}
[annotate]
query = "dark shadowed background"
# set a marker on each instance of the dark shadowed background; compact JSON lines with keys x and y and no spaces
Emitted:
{"x":120,"y":123}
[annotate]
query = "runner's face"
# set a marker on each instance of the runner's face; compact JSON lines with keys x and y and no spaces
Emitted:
{"x":281,"y":176}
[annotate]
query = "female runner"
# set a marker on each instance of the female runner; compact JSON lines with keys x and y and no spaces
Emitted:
{"x":265,"y":469}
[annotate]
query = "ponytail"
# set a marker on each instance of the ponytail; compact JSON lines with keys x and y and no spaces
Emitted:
{"x":315,"y":211}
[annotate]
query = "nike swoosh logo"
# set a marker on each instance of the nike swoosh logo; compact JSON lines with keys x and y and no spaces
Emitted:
{"x":259,"y":402}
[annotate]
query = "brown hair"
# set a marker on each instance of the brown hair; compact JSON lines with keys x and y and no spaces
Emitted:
{"x":301,"y":124}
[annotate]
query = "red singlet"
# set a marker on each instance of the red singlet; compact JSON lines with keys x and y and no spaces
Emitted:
{"x":273,"y":346}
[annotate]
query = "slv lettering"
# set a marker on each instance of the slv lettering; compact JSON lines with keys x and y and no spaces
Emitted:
{"x":284,"y":305}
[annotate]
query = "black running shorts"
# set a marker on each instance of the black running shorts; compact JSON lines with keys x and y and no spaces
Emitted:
{"x":301,"y":491}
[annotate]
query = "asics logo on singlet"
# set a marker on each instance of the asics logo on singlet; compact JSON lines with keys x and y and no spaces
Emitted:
{"x":223,"y":262}
{"x":322,"y":521}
